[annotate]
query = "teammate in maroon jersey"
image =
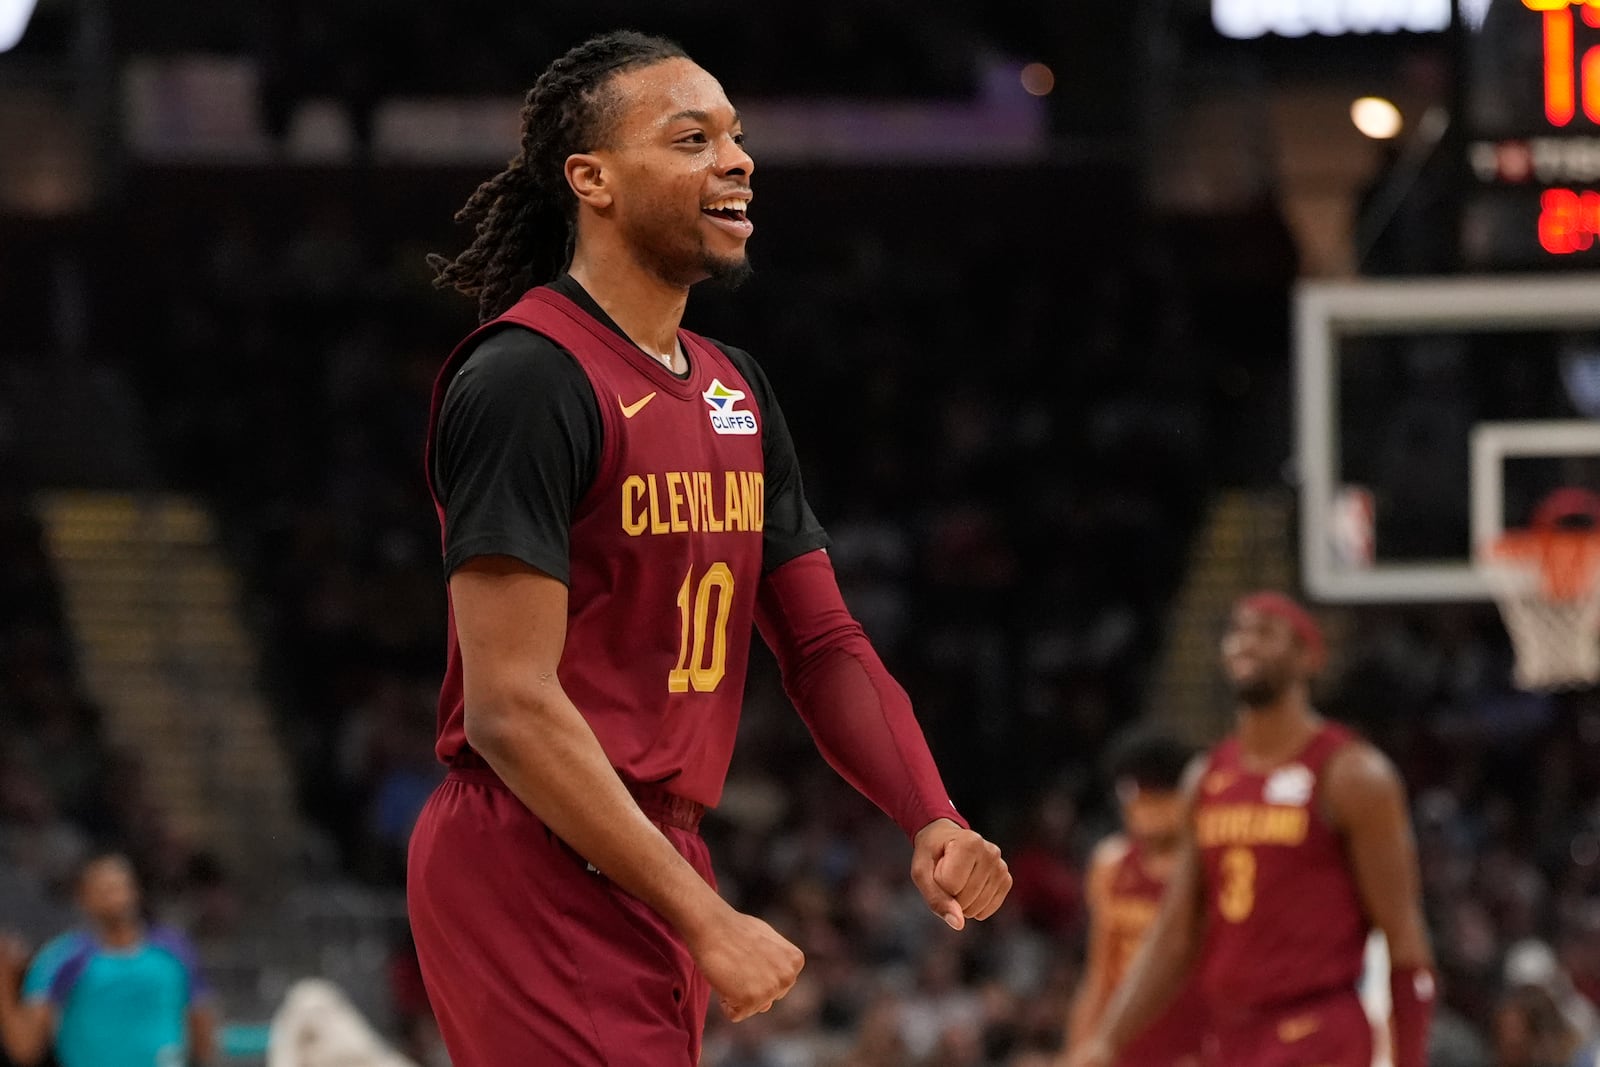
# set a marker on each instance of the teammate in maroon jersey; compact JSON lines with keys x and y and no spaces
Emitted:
{"x":1296,"y":842}
{"x":619,"y":501}
{"x":1127,"y":875}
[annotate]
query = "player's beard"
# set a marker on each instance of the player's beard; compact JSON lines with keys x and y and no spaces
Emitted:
{"x":1264,"y":690}
{"x":687,"y":259}
{"x":726,"y":273}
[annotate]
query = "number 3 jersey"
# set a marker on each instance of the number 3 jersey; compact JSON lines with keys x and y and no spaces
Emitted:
{"x":1284,"y":921}
{"x":660,"y":500}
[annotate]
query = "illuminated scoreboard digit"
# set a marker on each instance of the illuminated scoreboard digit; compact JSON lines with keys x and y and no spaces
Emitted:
{"x":1532,"y":119}
{"x":1564,"y":73}
{"x":1569,"y":221}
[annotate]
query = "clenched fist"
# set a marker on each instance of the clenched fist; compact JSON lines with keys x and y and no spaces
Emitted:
{"x":961,"y":875}
{"x":747,"y":962}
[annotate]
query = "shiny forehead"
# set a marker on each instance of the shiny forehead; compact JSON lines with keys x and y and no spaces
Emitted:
{"x":650,"y":98}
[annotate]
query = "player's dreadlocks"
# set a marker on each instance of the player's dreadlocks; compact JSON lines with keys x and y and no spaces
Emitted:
{"x":525,"y":218}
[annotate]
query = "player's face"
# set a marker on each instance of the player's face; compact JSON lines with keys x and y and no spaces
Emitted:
{"x":1261,"y":656}
{"x":109,"y":892}
{"x":681,"y":177}
{"x":1152,"y":817}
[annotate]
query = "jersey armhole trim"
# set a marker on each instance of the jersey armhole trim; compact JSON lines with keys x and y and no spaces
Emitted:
{"x":605,"y":471}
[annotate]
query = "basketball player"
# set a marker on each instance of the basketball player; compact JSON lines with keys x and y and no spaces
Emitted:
{"x":1296,"y":842}
{"x":1126,"y":877}
{"x":115,"y":992}
{"x":620,"y":502}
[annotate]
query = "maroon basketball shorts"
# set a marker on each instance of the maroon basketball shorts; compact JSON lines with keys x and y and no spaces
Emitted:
{"x":1331,"y":1030}
{"x":531,"y":957}
{"x":1154,"y":1058}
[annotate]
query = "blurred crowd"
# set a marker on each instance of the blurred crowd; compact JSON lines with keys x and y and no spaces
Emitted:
{"x":1011,"y":464}
{"x":53,"y":792}
{"x":328,"y":48}
{"x":66,"y":792}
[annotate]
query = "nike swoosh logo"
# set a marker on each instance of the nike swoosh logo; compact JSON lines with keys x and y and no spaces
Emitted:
{"x":630,"y":410}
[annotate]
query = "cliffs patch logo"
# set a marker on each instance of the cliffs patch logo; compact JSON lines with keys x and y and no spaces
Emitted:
{"x":726,"y":416}
{"x":1290,"y":785}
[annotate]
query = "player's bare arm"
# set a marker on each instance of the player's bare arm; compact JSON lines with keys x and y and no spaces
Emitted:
{"x":1165,"y":958}
{"x":201,"y":1022}
{"x":25,"y":1026}
{"x":1094,"y":987}
{"x":511,"y":622}
{"x":864,"y":727}
{"x":1366,"y":801}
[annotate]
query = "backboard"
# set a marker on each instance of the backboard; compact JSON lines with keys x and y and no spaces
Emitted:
{"x":1433,"y":414}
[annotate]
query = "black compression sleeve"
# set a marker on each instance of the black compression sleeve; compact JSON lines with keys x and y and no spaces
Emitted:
{"x":791,"y":528}
{"x":518,"y":444}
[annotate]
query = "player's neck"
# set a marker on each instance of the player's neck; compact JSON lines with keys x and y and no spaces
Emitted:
{"x":1273,"y":733}
{"x":119,"y":933}
{"x":648,"y":309}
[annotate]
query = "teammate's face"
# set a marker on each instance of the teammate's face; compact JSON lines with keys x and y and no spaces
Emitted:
{"x":1261,"y":656}
{"x":1151,"y":817}
{"x":680,"y":177}
{"x":108,"y":892}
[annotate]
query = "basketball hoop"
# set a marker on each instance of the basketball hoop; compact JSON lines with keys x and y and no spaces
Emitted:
{"x":1546,"y":580}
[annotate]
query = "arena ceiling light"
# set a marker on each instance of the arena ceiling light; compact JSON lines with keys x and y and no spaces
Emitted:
{"x":1246,"y":19}
{"x":14,"y":16}
{"x":1377,"y":118}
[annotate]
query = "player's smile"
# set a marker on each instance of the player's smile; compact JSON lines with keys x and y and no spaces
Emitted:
{"x":730,"y":213}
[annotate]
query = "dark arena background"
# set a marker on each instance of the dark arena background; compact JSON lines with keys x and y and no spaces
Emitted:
{"x":1087,"y":317}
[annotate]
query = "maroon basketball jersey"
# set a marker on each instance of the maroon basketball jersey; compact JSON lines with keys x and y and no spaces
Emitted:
{"x":1284,"y":920}
{"x":665,"y":554}
{"x":1174,"y":1039}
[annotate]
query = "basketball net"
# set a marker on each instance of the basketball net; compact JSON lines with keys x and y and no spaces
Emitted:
{"x":1546,"y":581}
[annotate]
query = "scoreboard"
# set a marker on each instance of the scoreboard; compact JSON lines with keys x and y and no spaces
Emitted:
{"x":1531,"y":111}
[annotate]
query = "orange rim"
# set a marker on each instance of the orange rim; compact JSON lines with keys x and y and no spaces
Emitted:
{"x":1568,"y":560}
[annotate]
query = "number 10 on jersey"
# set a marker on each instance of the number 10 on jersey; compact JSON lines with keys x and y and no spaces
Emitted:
{"x":697,"y":669}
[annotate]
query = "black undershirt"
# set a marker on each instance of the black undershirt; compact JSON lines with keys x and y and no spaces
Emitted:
{"x":519,"y":444}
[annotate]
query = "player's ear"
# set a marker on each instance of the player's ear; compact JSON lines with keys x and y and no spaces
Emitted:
{"x":590,"y":180}
{"x":1312,"y":660}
